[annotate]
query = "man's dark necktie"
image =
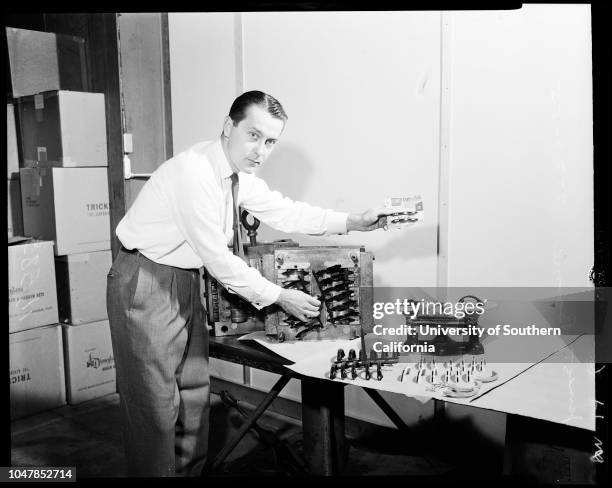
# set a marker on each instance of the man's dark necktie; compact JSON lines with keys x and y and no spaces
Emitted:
{"x":237,"y":246}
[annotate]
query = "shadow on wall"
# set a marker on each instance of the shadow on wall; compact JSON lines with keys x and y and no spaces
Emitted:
{"x":293,"y":172}
{"x":409,"y":244}
{"x":290,"y":171}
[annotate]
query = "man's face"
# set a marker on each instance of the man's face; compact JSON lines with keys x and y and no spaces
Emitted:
{"x":251,"y":141}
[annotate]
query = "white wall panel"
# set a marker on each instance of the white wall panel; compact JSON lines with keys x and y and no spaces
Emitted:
{"x":521,"y":151}
{"x":203,"y":75}
{"x":362,"y":93}
{"x":226,"y":370}
{"x":264,"y":381}
{"x":361,"y":90}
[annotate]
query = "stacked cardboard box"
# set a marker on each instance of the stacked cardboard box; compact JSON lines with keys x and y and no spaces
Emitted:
{"x":64,"y":199}
{"x":68,"y":206}
{"x":36,"y":372}
{"x":81,"y":286}
{"x":63,"y":128}
{"x":90,"y":365}
{"x":32,"y":289}
{"x":43,"y":61}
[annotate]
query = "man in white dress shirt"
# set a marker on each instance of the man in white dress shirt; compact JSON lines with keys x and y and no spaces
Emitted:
{"x":182,"y":220}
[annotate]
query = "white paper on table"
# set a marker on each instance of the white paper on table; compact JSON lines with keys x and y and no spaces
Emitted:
{"x":297,"y":351}
{"x":421,"y":391}
{"x":314,"y":359}
{"x":559,"y":389}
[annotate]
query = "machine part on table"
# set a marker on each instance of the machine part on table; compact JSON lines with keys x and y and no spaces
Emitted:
{"x":379,"y":375}
{"x":443,"y":344}
{"x":359,"y":362}
{"x":228,"y":313}
{"x":340,"y":277}
{"x":251,"y":228}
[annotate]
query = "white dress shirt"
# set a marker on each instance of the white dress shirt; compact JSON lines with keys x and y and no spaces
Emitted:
{"x":182,"y":217}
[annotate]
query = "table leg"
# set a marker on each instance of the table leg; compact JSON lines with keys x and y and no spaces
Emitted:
{"x":233,"y":442}
{"x":386,"y":408}
{"x":324,"y":444}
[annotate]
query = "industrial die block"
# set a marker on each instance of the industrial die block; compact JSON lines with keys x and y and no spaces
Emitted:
{"x":228,"y":313}
{"x":339,"y":276}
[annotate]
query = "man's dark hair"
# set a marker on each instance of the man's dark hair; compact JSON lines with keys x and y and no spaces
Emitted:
{"x":255,"y":97}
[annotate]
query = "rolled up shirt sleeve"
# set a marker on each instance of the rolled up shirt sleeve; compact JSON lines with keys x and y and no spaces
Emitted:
{"x":286,"y":215}
{"x":196,"y":204}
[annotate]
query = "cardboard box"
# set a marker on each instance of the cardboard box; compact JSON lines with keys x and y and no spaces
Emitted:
{"x":36,"y":371}
{"x":63,"y":128}
{"x":43,"y":61}
{"x":68,"y":206}
{"x":12,"y":153}
{"x":89,"y":361}
{"x":14,"y":218}
{"x":81,"y":286}
{"x":32,"y":294}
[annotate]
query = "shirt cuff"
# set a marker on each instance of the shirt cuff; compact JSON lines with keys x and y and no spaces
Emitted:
{"x":267,"y":296}
{"x":335,"y":222}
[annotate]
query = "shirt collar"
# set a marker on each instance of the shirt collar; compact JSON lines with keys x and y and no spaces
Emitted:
{"x":218,"y":155}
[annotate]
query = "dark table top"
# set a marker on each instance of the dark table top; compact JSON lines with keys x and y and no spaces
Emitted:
{"x":248,"y":353}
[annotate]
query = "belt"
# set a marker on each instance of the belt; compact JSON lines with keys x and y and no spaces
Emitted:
{"x":136,"y":251}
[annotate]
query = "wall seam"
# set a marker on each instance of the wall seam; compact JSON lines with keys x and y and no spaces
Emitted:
{"x":239,"y":47}
{"x":444,"y":148}
{"x":239,"y":68}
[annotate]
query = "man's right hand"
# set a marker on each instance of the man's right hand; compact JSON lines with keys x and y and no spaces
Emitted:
{"x":299,"y":304}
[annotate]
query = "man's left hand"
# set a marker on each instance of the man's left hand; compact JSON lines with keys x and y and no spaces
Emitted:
{"x":371,"y":219}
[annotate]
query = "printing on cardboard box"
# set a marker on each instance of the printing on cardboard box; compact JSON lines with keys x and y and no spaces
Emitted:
{"x":90,"y":365}
{"x":32,"y":296}
{"x":68,"y":206}
{"x":36,"y":371}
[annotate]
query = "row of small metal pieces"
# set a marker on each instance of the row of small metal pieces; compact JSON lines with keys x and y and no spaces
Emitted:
{"x":337,"y":279}
{"x":342,"y":364}
{"x":461,"y":368}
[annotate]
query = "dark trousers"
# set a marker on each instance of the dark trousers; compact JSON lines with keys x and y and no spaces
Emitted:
{"x":160,"y":345}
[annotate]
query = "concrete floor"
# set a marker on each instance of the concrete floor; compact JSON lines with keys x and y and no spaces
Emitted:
{"x":87,"y":436}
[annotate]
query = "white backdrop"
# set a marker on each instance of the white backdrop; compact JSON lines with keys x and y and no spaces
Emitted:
{"x":521,"y":180}
{"x":365,"y":101}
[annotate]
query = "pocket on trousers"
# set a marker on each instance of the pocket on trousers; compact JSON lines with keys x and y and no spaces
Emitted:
{"x":142,"y":288}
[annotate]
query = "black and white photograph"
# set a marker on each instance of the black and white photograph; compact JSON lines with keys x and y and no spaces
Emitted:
{"x":318,"y":242}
